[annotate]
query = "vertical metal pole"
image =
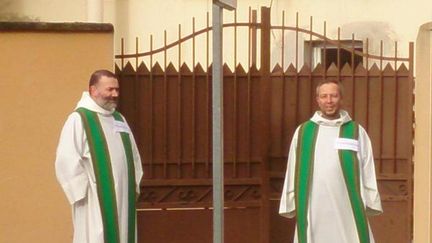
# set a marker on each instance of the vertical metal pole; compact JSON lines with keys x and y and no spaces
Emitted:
{"x":217,"y":109}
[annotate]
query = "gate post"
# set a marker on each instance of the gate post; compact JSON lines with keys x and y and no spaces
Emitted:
{"x":265,"y":124}
{"x":422,"y":207}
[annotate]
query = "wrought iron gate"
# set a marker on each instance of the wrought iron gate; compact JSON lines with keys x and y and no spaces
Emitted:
{"x":169,"y":109}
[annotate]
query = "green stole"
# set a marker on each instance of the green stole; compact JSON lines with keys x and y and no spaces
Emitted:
{"x":104,"y":177}
{"x":303,"y":175}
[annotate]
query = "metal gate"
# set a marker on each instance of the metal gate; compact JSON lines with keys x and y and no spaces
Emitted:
{"x":169,"y":109}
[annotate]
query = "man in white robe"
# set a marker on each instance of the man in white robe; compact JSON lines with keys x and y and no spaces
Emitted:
{"x":328,"y":207}
{"x":75,"y":166}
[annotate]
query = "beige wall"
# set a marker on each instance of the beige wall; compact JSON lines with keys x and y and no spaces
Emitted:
{"x":377,"y":20}
{"x":423,"y":137}
{"x":42,"y":76}
{"x":385,"y":20}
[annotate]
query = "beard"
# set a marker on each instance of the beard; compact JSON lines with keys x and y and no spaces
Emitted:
{"x":108,"y":103}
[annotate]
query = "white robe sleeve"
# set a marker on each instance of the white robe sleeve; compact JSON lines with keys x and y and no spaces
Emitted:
{"x":370,"y":190}
{"x":138,"y":166}
{"x":287,"y":202}
{"x":69,"y":169}
{"x":137,"y":160}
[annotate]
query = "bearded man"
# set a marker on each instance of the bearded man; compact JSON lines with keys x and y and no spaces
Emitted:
{"x":99,"y":167}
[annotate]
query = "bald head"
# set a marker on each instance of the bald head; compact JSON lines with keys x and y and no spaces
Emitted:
{"x":329,"y":98}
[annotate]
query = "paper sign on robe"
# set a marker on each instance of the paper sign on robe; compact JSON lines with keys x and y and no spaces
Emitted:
{"x":347,"y":143}
{"x":120,"y":126}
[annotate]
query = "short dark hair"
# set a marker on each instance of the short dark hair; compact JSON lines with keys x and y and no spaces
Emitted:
{"x":330,"y":81}
{"x":98,"y":74}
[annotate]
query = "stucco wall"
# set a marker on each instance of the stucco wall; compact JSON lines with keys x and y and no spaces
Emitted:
{"x":423,"y":137}
{"x":385,"y":20}
{"x":376,"y":20}
{"x":43,"y":73}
